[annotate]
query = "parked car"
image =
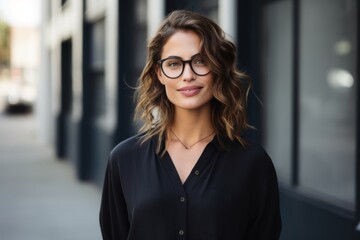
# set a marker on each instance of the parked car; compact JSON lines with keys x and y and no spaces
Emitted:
{"x":20,"y":97}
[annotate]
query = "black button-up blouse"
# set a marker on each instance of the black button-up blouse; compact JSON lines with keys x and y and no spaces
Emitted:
{"x":230,"y":194}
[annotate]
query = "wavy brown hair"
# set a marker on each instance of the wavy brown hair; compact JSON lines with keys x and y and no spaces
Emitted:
{"x":230,"y":89}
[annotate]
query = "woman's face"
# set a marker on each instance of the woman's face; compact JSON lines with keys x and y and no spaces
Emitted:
{"x":189,"y":90}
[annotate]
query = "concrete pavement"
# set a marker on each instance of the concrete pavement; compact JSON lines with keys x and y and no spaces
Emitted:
{"x":40,"y":198}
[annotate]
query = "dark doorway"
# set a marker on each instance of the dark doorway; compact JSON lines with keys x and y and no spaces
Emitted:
{"x":65,"y":99}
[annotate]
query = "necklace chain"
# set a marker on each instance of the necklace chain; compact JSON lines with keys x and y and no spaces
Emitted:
{"x":190,"y":146}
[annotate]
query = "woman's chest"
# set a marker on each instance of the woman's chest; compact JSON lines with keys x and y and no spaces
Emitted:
{"x":210,"y":191}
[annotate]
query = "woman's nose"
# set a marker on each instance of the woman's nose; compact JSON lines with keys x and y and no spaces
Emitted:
{"x":188,"y":74}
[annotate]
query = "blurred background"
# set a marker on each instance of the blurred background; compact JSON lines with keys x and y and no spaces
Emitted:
{"x":65,"y":101}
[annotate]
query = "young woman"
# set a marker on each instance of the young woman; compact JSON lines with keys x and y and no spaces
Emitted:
{"x":190,"y":174}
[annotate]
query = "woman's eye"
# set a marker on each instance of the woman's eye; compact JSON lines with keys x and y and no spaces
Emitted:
{"x":199,"y":61}
{"x":173,"y":64}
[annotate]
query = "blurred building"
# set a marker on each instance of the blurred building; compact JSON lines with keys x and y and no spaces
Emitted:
{"x":19,"y":54}
{"x":301,"y":54}
{"x":24,"y":66}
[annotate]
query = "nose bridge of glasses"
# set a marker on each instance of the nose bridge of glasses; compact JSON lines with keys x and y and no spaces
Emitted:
{"x":188,"y":62}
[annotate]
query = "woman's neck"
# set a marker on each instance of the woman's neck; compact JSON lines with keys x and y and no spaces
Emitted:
{"x":190,"y":126}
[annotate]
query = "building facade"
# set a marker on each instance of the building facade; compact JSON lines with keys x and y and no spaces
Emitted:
{"x":302,"y":56}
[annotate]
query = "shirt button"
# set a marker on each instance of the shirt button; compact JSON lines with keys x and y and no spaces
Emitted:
{"x":182,"y":199}
{"x":181,"y":232}
{"x":197,"y":172}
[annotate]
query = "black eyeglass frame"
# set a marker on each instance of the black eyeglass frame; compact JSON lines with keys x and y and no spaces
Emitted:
{"x":184,"y":62}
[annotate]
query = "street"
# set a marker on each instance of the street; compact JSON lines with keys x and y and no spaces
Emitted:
{"x":40,"y":198}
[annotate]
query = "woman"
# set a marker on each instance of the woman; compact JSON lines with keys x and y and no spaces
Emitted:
{"x":190,"y":174}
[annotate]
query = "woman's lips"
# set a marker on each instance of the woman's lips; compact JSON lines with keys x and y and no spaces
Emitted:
{"x":190,"y":91}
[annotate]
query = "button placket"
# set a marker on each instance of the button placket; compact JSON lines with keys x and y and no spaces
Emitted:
{"x":181,"y":199}
{"x":182,"y":213}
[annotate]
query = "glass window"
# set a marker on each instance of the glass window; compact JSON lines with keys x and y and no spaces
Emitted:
{"x":327,"y":98}
{"x":98,"y":45}
{"x":277,"y":97}
{"x":97,"y":68}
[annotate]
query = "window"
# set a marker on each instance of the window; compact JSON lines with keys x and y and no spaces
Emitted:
{"x":325,"y":96}
{"x":327,"y":111}
{"x":97,"y":68}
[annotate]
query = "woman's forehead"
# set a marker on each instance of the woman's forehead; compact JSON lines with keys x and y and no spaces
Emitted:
{"x":184,"y":43}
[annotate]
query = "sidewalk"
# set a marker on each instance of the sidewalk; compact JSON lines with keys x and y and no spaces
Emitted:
{"x":40,"y":199}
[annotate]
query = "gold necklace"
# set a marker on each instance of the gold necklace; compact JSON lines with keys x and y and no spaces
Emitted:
{"x":188,"y":147}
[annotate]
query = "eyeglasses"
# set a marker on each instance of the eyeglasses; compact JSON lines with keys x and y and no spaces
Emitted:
{"x":173,"y":67}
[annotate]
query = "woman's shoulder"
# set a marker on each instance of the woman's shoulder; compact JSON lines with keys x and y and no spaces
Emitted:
{"x":250,"y":148}
{"x":253,"y":154}
{"x":129,"y":147}
{"x":256,"y":150}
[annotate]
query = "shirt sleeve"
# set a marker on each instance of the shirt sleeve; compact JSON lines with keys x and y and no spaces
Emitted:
{"x":114,"y":222}
{"x":265,"y":209}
